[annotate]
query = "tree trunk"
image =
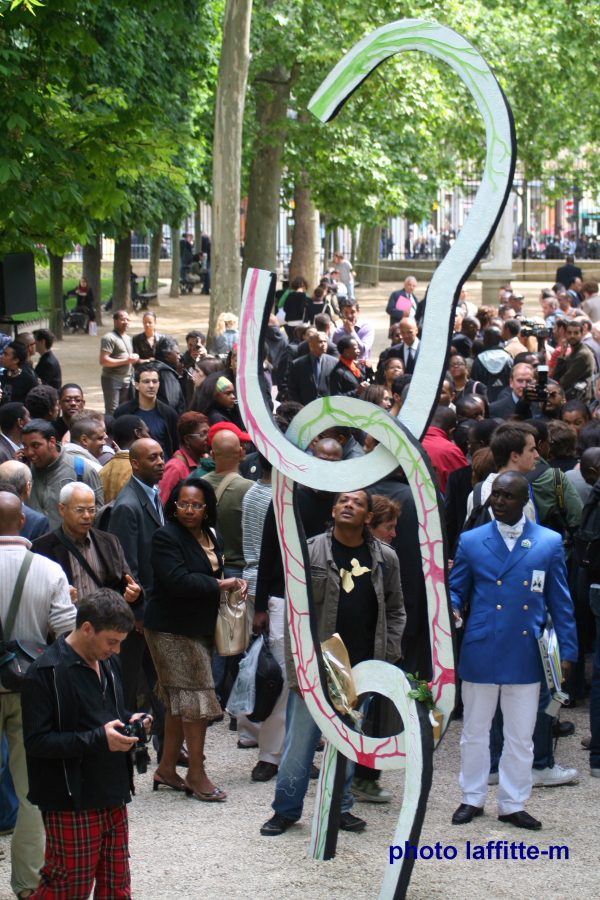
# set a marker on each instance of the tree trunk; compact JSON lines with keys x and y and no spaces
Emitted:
{"x":56,"y":295}
{"x":260,"y":246}
{"x":197,"y":229}
{"x":155,"y":248}
{"x":122,"y":274}
{"x":367,"y":269}
{"x":92,"y":270}
{"x":306,"y":244}
{"x":175,"y":261}
{"x":225,"y":292}
{"x":525,"y":221}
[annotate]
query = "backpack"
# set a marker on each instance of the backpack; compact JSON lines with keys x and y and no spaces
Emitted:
{"x":269,"y":684}
{"x":480,"y":514}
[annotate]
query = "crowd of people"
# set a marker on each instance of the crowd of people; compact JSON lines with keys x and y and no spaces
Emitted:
{"x":122,"y":529}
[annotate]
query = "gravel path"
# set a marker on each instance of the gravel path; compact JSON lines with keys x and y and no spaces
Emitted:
{"x":181,"y":848}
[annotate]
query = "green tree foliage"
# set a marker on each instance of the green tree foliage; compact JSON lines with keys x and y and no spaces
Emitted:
{"x":97,"y":106}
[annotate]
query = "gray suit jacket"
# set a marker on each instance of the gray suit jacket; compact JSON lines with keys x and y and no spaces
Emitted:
{"x":6,"y":450}
{"x":133,"y":521}
{"x":301,"y":381}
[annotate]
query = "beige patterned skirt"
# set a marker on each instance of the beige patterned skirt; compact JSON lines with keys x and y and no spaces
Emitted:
{"x":184,"y":668}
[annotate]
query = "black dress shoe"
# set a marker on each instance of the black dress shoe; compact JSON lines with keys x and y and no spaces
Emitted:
{"x":348,"y":822}
{"x":522,"y":819}
{"x":466,"y":813}
{"x":276,"y":825}
{"x":562,"y":729}
{"x":264,"y":771}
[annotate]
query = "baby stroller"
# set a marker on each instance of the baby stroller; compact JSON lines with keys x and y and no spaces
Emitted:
{"x":74,"y":319}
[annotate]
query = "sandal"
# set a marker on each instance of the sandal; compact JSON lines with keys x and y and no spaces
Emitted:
{"x":158,"y":780}
{"x":216,"y":796}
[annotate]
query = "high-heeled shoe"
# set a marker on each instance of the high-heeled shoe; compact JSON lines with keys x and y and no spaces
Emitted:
{"x":181,"y":789}
{"x":215,"y":796}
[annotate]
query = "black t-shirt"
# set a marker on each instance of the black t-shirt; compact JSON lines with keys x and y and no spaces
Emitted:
{"x":15,"y":389}
{"x":357,"y":610}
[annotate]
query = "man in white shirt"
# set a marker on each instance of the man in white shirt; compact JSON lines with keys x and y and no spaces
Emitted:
{"x":346,"y":273}
{"x":87,"y":441}
{"x":410,"y":344}
{"x":45,"y":603}
{"x":513,"y":446}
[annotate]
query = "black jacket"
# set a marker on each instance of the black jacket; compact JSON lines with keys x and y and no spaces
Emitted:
{"x":281,"y":356}
{"x":54,"y":746}
{"x":343,"y":381}
{"x":304,"y":349}
{"x":6,"y":450}
{"x":133,"y":521}
{"x":48,"y":370}
{"x":301,"y":384}
{"x":170,"y":417}
{"x":171,"y":390}
{"x":185,"y":596}
{"x":109,"y":551}
{"x":505,"y":406}
{"x":458,"y":488}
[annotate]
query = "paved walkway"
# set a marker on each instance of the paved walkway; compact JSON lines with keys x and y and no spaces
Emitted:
{"x":78,"y":354}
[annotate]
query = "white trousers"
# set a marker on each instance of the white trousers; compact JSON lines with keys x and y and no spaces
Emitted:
{"x":270,"y":734}
{"x":519,"y":703}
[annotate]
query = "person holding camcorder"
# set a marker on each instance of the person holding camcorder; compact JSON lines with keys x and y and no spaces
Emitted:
{"x":81,"y":745}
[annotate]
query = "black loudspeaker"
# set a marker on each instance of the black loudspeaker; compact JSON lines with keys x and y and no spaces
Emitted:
{"x":18,"y":293}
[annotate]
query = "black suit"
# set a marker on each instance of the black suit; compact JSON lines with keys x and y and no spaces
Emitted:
{"x":301,"y":385}
{"x":48,"y":370}
{"x":185,"y":595}
{"x":6,"y":450}
{"x":416,"y":650}
{"x":133,"y":521}
{"x":405,"y":356}
{"x":458,"y":488}
{"x":304,"y":350}
{"x":343,"y":381}
{"x":109,"y":552}
{"x":505,"y":406}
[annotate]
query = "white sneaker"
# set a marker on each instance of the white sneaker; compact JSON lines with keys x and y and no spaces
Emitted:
{"x":553,"y":777}
{"x":595,"y":773}
{"x":493,"y":778}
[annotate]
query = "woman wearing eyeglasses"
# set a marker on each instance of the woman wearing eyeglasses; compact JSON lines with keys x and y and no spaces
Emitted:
{"x":463,"y":385}
{"x":179,"y":623}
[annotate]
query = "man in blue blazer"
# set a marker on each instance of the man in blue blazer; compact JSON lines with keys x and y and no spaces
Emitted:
{"x":512,"y":573}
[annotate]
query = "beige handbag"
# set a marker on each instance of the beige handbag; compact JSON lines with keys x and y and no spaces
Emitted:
{"x":231,"y":633}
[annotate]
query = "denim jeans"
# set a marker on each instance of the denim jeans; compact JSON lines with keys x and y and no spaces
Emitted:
{"x":595,"y":686}
{"x":302,"y":736}
{"x":543,"y":756}
{"x":9,"y":803}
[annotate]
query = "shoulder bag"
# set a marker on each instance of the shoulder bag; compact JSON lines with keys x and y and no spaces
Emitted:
{"x":16,"y":656}
{"x":232,"y":632}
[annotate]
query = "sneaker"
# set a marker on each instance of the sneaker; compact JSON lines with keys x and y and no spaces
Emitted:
{"x":264,"y":771}
{"x":595,"y":773}
{"x":586,"y":742}
{"x":348,"y":822}
{"x":554,"y":776}
{"x":493,"y":777}
{"x":246,"y":746}
{"x":369,"y":791}
{"x":277,"y":824}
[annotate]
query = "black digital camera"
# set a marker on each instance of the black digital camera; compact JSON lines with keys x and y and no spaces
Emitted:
{"x":139,"y":752}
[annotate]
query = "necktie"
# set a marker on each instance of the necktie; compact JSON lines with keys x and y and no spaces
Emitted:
{"x":317,"y":369}
{"x":159,"y":508}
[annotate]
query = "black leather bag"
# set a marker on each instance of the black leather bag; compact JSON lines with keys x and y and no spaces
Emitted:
{"x":16,"y":656}
{"x":269,"y":684}
{"x":586,"y":547}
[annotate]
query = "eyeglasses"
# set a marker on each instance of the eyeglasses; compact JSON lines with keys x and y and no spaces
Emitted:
{"x":195,"y":506}
{"x":81,"y":510}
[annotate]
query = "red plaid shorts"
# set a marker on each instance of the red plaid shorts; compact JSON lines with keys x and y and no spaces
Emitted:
{"x":82,"y":848}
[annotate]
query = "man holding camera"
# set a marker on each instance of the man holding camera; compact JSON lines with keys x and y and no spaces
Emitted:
{"x":78,"y":760}
{"x":515,"y":398}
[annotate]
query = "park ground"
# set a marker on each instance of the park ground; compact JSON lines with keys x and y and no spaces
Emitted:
{"x":181,"y":848}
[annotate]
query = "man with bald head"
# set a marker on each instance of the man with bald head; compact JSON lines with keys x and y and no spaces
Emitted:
{"x":309,"y":375}
{"x":512,"y":572}
{"x":45,"y":603}
{"x":231,"y":488}
{"x":19,"y":476}
{"x":136,"y":514}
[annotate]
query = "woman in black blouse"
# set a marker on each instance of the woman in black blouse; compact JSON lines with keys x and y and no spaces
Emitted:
{"x":18,"y":379}
{"x":179,"y":624}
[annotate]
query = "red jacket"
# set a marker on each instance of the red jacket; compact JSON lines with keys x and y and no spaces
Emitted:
{"x":445,"y":456}
{"x":175,"y":470}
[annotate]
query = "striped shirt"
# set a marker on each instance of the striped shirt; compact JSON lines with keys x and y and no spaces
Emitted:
{"x":81,"y":580}
{"x":254,"y":510}
{"x":45,"y":601}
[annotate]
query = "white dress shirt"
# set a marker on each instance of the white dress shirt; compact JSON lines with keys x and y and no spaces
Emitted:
{"x":510,"y":534}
